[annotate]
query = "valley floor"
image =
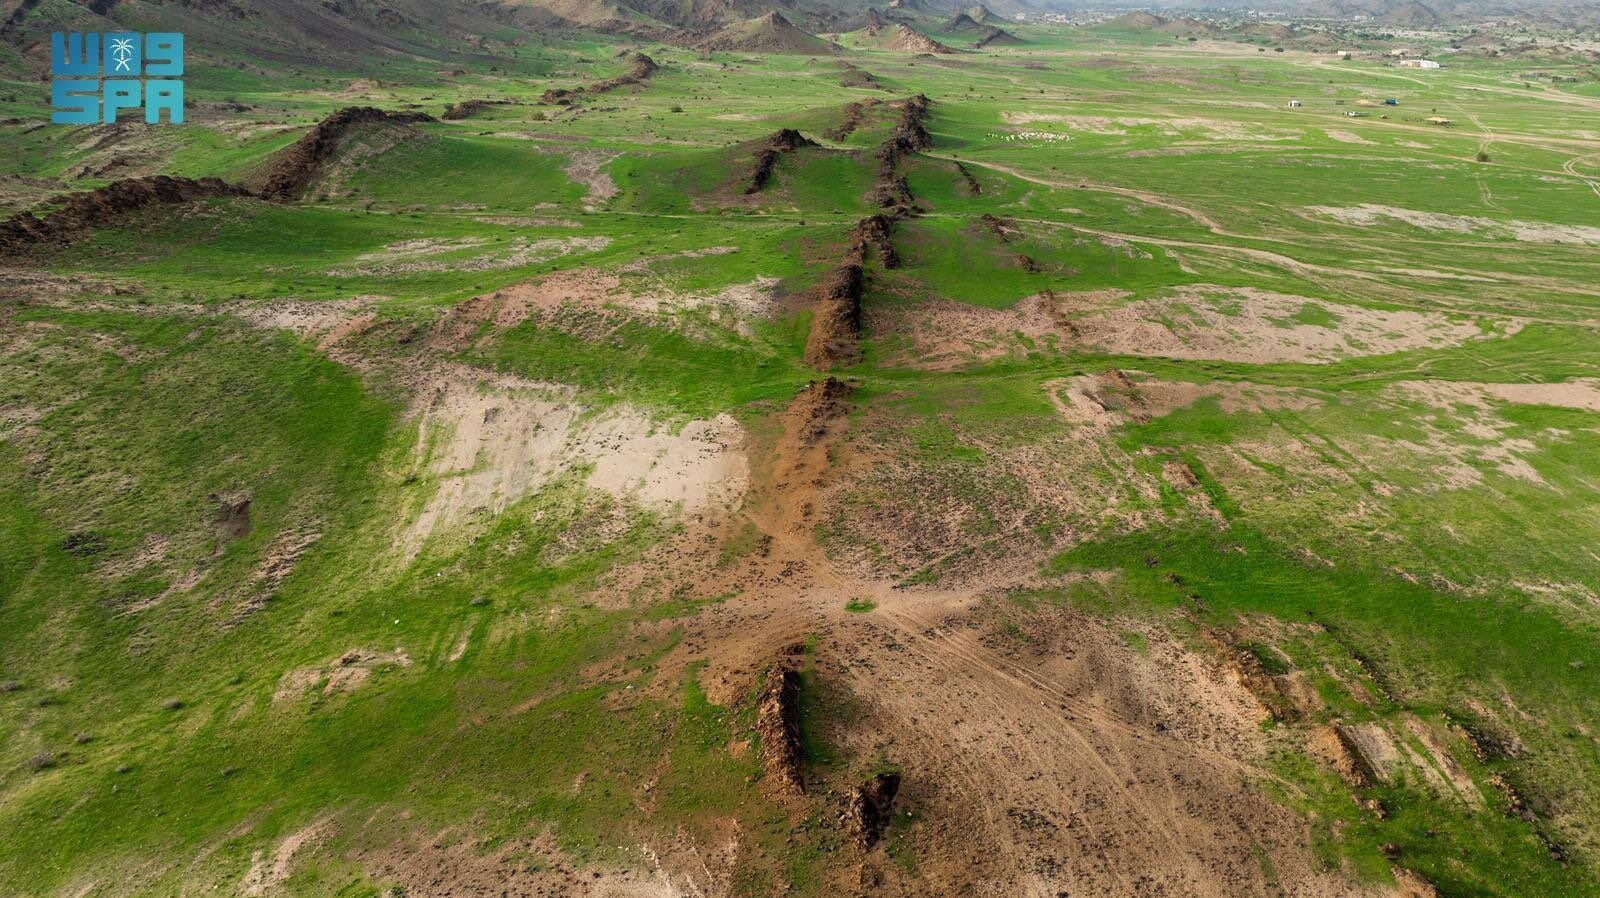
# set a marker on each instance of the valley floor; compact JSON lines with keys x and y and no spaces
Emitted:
{"x":1059,"y":467}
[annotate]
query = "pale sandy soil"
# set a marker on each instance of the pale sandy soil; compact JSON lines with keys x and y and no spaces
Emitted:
{"x":584,"y":167}
{"x":1211,"y":129}
{"x":418,"y":256}
{"x":1256,"y":326}
{"x":1368,"y":215}
{"x":1192,"y":322}
{"x":488,"y":442}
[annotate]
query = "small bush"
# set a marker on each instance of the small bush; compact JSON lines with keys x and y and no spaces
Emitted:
{"x":41,"y":761}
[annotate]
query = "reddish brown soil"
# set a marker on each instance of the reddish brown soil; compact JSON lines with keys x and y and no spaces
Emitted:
{"x":902,"y":37}
{"x":836,"y":318}
{"x":1041,"y":752}
{"x":873,"y":235}
{"x":778,"y":729}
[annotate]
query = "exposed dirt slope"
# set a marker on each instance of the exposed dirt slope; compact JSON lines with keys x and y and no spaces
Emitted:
{"x":468,"y":108}
{"x":640,"y":68}
{"x":83,"y":212}
{"x":1039,"y":756}
{"x":998,"y":37}
{"x":771,"y":33}
{"x":293,"y":169}
{"x":836,"y":313}
{"x":836,"y":318}
{"x":963,"y":23}
{"x":778,"y":729}
{"x":903,"y":38}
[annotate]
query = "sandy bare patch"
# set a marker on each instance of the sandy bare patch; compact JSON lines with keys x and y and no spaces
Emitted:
{"x":1385,"y":754}
{"x":1099,"y":402}
{"x":588,"y":300}
{"x":1468,"y":435}
{"x":529,"y":221}
{"x":419,"y":256}
{"x":593,"y":290}
{"x":942,"y":334}
{"x":345,"y":673}
{"x":361,"y":87}
{"x":18,"y":193}
{"x":421,"y":246}
{"x":1207,"y":128}
{"x":1256,"y":326}
{"x":1148,"y":398}
{"x":487,"y":443}
{"x":584,"y":167}
{"x":267,"y":874}
{"x":1439,"y":275}
{"x":1583,"y":393}
{"x":326,"y":321}
{"x":1347,"y":137}
{"x":1369,"y":215}
{"x":452,"y":863}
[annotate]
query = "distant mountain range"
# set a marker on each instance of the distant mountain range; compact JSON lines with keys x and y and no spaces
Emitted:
{"x":348,"y":31}
{"x":1396,"y":13}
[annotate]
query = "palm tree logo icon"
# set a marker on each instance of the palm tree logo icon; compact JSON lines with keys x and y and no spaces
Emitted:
{"x":122,"y":54}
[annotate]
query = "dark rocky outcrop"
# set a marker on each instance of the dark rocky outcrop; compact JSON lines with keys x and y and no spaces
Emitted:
{"x":873,"y":234}
{"x":640,"y":68}
{"x":778,"y":729}
{"x":786,"y":140}
{"x":468,"y":108}
{"x":869,"y":807}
